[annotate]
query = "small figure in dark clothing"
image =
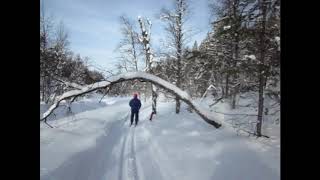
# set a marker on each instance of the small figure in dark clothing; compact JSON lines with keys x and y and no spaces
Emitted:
{"x":135,"y":105}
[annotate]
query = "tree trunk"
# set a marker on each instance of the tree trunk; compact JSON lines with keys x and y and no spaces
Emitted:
{"x":236,"y":56}
{"x":43,"y":90}
{"x":154,"y":95}
{"x":261,"y":68}
{"x":234,"y":96}
{"x":177,"y":105}
{"x":146,"y":43}
{"x":179,"y":52}
{"x":178,"y":77}
{"x":134,"y":52}
{"x":227,"y":86}
{"x":154,"y":99}
{"x":260,"y":105}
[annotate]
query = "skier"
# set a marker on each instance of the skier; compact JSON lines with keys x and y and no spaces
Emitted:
{"x":135,"y":105}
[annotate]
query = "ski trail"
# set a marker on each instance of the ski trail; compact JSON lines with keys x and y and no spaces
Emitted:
{"x":133,"y":156}
{"x":122,"y":157}
{"x":91,"y":163}
{"x":146,"y":147}
{"x":123,"y":150}
{"x":128,"y":166}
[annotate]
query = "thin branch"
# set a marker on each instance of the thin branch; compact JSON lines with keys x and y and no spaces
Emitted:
{"x":236,"y":114}
{"x":238,"y":129}
{"x":45,"y":121}
{"x":70,"y":84}
{"x":216,"y":102}
{"x":105,"y":94}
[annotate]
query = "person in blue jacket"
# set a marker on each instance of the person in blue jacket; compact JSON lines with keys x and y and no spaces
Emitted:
{"x":135,"y":105}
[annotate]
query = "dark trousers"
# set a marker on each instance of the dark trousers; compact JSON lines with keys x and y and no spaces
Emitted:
{"x":136,"y":114}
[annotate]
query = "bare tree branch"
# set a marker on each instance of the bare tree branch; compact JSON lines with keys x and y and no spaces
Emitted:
{"x":216,"y":102}
{"x":108,"y":89}
{"x":70,"y":84}
{"x":236,"y":114}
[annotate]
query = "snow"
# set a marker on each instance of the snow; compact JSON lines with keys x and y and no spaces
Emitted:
{"x":74,"y":85}
{"x":226,"y":27}
{"x":98,"y":144}
{"x":162,"y":17}
{"x":253,"y":57}
{"x":149,"y":21}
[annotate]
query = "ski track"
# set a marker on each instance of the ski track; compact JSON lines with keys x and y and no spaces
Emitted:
{"x":153,"y":152}
{"x":121,"y":154}
{"x":122,"y":139}
{"x":128,"y":166}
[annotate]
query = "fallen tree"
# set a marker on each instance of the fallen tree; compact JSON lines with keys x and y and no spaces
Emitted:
{"x":205,"y":115}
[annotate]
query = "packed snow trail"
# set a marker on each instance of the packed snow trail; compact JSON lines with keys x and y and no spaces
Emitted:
{"x":99,"y":145}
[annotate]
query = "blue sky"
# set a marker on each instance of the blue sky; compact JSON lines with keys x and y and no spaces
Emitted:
{"x":94,"y":28}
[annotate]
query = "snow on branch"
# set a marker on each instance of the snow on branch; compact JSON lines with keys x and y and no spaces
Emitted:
{"x":205,"y":115}
{"x":252,"y":57}
{"x":208,"y":89}
{"x":226,"y":27}
{"x":70,"y":84}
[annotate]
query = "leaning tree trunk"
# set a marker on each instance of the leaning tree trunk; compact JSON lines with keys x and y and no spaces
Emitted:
{"x":205,"y":115}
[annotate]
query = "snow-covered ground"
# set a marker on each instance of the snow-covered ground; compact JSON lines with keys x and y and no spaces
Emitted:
{"x":97,"y":143}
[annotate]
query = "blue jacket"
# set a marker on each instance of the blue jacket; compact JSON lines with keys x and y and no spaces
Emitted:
{"x":135,"y":104}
